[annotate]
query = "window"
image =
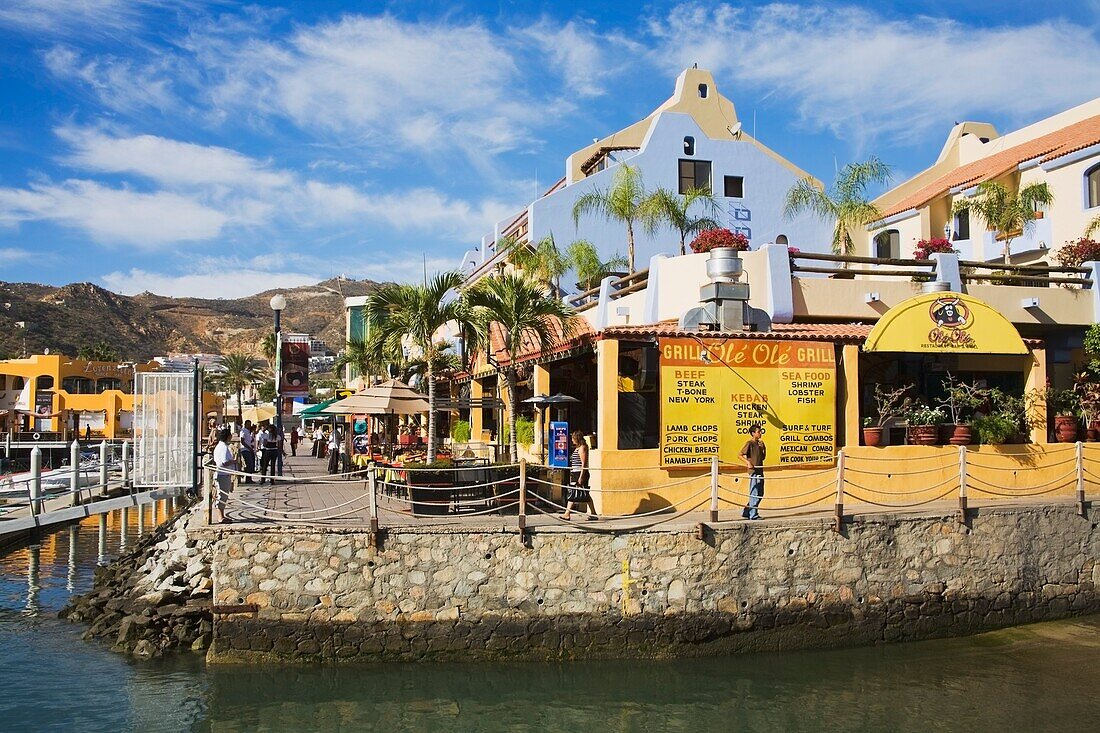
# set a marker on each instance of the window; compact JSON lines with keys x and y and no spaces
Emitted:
{"x":694,"y":174}
{"x":888,"y":245}
{"x":962,"y":225}
{"x":639,"y":397}
{"x":108,"y":383}
{"x":78,"y":385}
{"x":689,"y":145}
{"x":1092,"y":187}
{"x":44,"y":382}
{"x":735,"y":187}
{"x":703,"y":91}
{"x":17,"y":382}
{"x":782,"y":239}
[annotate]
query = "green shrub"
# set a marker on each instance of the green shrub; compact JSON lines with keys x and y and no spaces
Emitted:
{"x":994,"y":429}
{"x":460,"y":432}
{"x":525,"y":432}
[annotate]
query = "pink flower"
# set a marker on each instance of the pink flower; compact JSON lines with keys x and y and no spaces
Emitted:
{"x":710,"y":239}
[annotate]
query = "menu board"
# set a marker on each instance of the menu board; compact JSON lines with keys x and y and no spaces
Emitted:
{"x":712,"y":390}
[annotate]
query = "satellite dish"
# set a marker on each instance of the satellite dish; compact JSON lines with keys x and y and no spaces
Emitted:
{"x":735,"y":129}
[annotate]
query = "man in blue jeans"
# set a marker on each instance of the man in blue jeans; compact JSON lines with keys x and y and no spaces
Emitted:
{"x":753,"y":455}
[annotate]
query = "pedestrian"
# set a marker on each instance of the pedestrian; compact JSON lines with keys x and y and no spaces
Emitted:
{"x":578,"y":491}
{"x":334,"y":451}
{"x":248,"y":450}
{"x":212,"y":435}
{"x":754,"y":454}
{"x":269,"y":451}
{"x":226,"y":464}
{"x":294,"y":437}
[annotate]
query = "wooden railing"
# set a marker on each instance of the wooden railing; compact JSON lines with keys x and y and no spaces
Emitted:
{"x":625,"y":285}
{"x":969,"y":270}
{"x":915,"y":268}
{"x":1026,"y":275}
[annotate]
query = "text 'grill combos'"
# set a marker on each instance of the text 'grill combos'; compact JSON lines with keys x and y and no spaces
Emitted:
{"x":712,"y":390}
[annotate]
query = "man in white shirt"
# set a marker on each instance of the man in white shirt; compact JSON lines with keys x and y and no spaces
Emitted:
{"x":225,"y":463}
{"x":248,"y":450}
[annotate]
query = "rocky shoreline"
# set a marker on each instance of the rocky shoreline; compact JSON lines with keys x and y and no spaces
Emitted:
{"x":154,"y":599}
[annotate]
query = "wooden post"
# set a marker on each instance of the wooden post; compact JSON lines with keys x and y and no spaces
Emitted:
{"x":36,"y":481}
{"x":103,"y":468}
{"x":522,"y":498}
{"x":714,"y":488}
{"x":372,"y":486}
{"x":962,"y":484}
{"x":1080,"y":479}
{"x":207,"y":492}
{"x":126,"y":464}
{"x":74,"y":471}
{"x":141,"y":520}
{"x":839,"y":517}
{"x":102,"y":559}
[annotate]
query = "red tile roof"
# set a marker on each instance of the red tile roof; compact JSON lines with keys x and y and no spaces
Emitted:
{"x":530,"y":349}
{"x":836,"y":332}
{"x":1047,"y":147}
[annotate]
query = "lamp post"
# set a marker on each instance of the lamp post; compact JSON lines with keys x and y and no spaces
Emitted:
{"x":278,"y":303}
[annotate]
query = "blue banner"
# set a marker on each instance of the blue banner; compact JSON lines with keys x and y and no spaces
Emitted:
{"x":559,"y":444}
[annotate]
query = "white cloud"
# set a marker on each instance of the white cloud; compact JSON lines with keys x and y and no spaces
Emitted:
{"x":579,"y":52}
{"x":11,"y":254}
{"x":169,"y":162}
{"x":860,"y":75}
{"x":114,"y":215}
{"x":226,"y":281}
{"x":72,"y":16}
{"x":120,"y":84}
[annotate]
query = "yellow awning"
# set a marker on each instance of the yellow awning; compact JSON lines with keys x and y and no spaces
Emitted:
{"x":940,"y":323}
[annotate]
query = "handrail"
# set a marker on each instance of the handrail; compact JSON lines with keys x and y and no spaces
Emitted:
{"x":1027,"y":268}
{"x":879,"y":273}
{"x":859,"y":259}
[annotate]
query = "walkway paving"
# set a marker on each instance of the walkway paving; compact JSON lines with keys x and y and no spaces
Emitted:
{"x":306,"y":495}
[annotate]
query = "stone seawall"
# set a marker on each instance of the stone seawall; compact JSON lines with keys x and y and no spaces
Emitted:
{"x":447,"y":593}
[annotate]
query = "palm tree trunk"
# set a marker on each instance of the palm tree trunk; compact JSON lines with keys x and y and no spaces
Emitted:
{"x":630,"y":246}
{"x":513,"y":439}
{"x":1007,"y":252}
{"x":240,"y":408}
{"x":431,"y":409}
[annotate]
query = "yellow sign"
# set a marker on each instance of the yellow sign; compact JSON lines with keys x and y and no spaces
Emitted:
{"x":712,"y":390}
{"x":945,"y":323}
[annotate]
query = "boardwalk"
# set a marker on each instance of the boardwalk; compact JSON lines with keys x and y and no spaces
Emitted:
{"x":307,"y":496}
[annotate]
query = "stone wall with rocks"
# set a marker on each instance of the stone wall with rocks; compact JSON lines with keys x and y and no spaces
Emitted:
{"x":156,"y":597}
{"x":447,"y":593}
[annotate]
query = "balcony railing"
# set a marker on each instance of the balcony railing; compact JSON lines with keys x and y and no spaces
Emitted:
{"x":624,"y":285}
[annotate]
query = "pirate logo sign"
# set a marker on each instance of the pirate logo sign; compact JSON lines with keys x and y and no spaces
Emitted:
{"x":952,"y":318}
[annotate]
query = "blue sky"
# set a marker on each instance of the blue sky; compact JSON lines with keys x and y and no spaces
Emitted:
{"x":222,"y":148}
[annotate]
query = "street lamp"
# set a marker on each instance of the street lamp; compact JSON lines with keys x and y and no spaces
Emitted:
{"x":278,"y":303}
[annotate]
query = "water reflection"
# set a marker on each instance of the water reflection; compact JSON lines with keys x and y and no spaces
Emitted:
{"x":1032,"y":678}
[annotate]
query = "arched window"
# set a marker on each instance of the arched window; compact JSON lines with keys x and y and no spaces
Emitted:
{"x":44,"y":382}
{"x":1092,"y":186}
{"x":888,"y":244}
{"x":689,"y":145}
{"x":17,"y":382}
{"x":703,"y":91}
{"x":781,"y":239}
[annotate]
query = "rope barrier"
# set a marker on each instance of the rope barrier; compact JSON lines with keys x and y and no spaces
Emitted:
{"x":946,"y":467}
{"x":933,"y":487}
{"x":901,"y":506}
{"x":907,"y":459}
{"x":323,"y":509}
{"x":772,"y":503}
{"x":1032,"y":493}
{"x":1070,"y":475}
{"x":532,"y":479}
{"x":969,"y":463}
{"x":629,"y":516}
{"x":267,"y":510}
{"x":824,"y":486}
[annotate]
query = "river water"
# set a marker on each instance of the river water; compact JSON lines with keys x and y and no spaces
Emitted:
{"x":1040,"y":677}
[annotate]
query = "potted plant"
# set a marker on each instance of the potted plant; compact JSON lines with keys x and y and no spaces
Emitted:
{"x":720,"y":238}
{"x":1087,"y":389}
{"x":1064,"y":405}
{"x":923,"y":423}
{"x":960,"y":400}
{"x":994,"y":429}
{"x":889,"y":404}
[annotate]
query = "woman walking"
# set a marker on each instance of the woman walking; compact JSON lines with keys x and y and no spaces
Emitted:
{"x":578,"y":492}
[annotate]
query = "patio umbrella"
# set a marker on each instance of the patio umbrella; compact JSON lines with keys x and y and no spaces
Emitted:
{"x":389,"y":398}
{"x":255,"y":413}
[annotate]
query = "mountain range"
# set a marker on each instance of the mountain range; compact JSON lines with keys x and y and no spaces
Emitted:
{"x":139,"y":327}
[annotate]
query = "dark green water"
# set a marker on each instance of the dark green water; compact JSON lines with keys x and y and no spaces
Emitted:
{"x":1041,"y":677}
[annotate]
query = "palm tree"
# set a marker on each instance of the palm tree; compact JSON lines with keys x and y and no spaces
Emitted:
{"x":543,"y":262}
{"x":1093,"y":226}
{"x":100,"y":351}
{"x":624,"y":201}
{"x":240,"y":372}
{"x":362,"y":356}
{"x":1009,"y":214}
{"x":675,"y":211}
{"x":846,"y":203}
{"x":585,"y":261}
{"x":522,"y":311}
{"x":394,"y":313}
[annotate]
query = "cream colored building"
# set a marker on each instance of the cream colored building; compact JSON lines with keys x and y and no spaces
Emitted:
{"x":1063,"y":151}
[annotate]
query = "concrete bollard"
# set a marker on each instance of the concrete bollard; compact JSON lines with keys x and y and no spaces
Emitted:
{"x":126,"y":464}
{"x":103,"y":468}
{"x":102,"y":560}
{"x":74,"y":472}
{"x":36,"y":481}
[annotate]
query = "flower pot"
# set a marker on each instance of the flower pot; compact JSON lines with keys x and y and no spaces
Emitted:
{"x":1093,"y":433}
{"x":923,"y":434}
{"x":724,"y":265}
{"x":960,"y":435}
{"x":1065,"y":428}
{"x":872,"y":437}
